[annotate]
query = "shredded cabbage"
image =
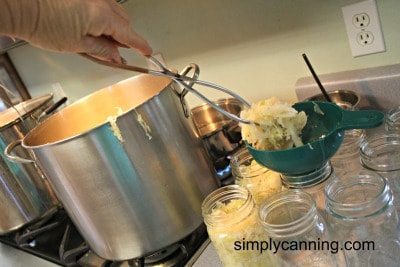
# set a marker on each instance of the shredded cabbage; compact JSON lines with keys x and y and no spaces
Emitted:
{"x":260,"y":186}
{"x":281,"y":125}
{"x":247,"y":229}
{"x":113,"y":122}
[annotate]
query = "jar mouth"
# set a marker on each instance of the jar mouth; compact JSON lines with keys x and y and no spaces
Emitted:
{"x":353,"y":138}
{"x":392,"y":120}
{"x":223,"y":196}
{"x":358,"y":195}
{"x":381,"y":153}
{"x":243,"y":165}
{"x":307,"y":180}
{"x":287,"y":214}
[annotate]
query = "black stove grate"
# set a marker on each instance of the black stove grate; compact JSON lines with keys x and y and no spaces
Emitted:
{"x":56,"y":239}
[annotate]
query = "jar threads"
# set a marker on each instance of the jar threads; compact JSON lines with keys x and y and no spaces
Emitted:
{"x":291,"y":217}
{"x":361,"y":212}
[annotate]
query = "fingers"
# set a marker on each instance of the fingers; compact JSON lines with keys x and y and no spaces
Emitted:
{"x":130,"y":38}
{"x":116,"y":26}
{"x":100,"y":47}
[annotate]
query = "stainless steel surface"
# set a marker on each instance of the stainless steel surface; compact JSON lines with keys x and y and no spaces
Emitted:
{"x":28,"y":111}
{"x":25,"y":194}
{"x":132,"y":194}
{"x":220,"y":134}
{"x":344,"y":98}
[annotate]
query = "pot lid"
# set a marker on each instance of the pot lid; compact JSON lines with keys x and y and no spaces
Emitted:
{"x":14,"y":114}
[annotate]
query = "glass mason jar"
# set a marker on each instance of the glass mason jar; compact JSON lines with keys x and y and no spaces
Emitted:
{"x":313,"y":183}
{"x":298,"y":235}
{"x":347,"y":158}
{"x":392,"y":120}
{"x":381,"y":153}
{"x":231,"y":217}
{"x":362,"y":217}
{"x":261,"y":181}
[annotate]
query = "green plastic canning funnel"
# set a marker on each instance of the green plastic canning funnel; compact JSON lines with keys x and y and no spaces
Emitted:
{"x":322,"y":137}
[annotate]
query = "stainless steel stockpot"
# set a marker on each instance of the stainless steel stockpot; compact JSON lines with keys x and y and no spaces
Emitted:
{"x":25,"y":194}
{"x":127,"y":165}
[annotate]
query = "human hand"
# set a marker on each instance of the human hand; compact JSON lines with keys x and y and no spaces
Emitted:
{"x":94,"y":27}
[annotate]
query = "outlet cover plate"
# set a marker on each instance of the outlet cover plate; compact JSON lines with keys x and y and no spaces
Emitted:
{"x":364,"y":28}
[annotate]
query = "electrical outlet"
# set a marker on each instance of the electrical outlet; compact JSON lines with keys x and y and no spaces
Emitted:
{"x":365,"y":38}
{"x":363,"y":28}
{"x":361,"y":20}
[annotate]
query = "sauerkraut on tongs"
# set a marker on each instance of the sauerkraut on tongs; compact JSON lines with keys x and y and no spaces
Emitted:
{"x":280,"y":125}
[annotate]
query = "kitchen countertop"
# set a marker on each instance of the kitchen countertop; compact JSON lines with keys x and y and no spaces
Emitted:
{"x":10,"y":256}
{"x":208,"y":256}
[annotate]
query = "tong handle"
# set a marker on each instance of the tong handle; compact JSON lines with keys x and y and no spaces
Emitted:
{"x":180,"y":79}
{"x":121,"y":66}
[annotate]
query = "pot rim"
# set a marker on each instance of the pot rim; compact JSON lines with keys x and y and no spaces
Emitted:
{"x":99,"y":125}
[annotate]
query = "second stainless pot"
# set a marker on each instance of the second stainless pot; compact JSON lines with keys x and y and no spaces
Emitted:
{"x":127,"y":165}
{"x":220,"y":134}
{"x":25,"y":194}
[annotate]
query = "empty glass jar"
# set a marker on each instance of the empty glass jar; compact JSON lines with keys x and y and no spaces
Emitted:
{"x":347,"y":158}
{"x":231,"y":217}
{"x":392,"y":120}
{"x":261,"y":181}
{"x":298,"y":234}
{"x":363,"y":219}
{"x":381,"y":153}
{"x":313,"y":183}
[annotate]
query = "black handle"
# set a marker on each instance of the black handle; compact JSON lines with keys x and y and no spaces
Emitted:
{"x":55,"y":106}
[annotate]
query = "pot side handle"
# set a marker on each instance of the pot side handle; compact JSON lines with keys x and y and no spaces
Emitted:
{"x":16,"y":159}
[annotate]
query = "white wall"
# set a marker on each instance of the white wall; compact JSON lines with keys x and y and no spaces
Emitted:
{"x":251,"y":47}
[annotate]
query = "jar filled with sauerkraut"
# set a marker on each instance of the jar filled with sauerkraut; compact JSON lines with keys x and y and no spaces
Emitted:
{"x":260,"y":181}
{"x":231,"y":217}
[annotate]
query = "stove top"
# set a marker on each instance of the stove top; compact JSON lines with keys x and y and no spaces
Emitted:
{"x":56,"y":239}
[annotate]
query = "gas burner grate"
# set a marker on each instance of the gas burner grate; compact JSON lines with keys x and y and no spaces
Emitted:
{"x":175,"y":255}
{"x":53,"y":238}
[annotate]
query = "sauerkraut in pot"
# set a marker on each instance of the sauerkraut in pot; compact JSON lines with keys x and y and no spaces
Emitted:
{"x":281,"y":125}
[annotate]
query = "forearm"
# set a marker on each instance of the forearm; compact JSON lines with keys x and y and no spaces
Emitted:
{"x":96,"y":27}
{"x":18,"y":17}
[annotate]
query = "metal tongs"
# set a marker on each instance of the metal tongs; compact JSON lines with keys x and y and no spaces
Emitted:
{"x":183,"y":80}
